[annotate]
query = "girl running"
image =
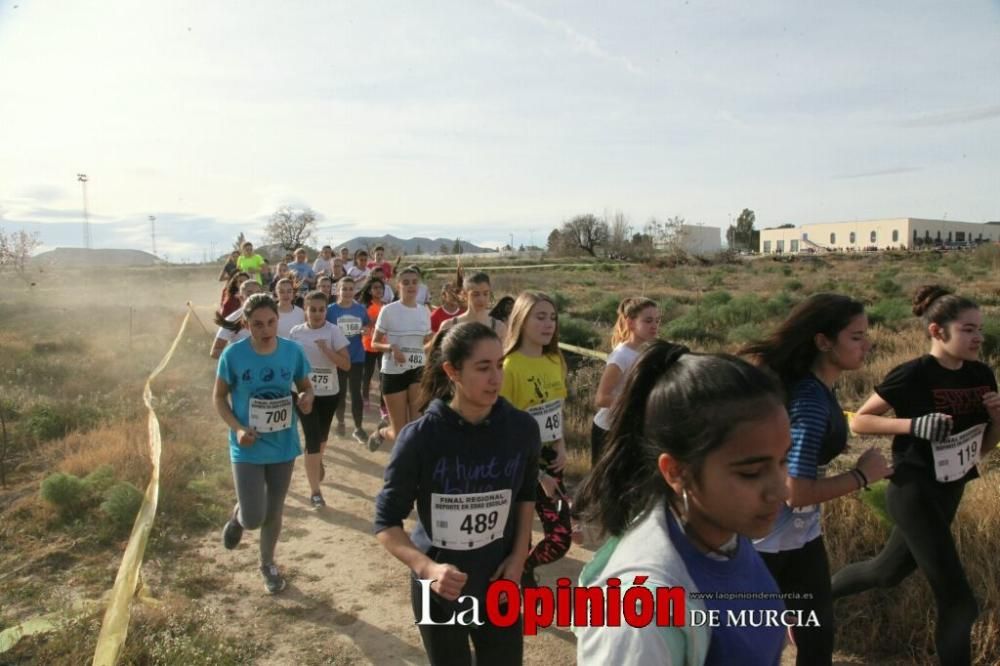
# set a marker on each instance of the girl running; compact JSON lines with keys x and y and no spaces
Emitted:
{"x":477,"y":294}
{"x":534,"y":380}
{"x":638,"y":323}
{"x":231,"y":294}
{"x":693,"y":465}
{"x":251,"y":263}
{"x":326,"y":349}
{"x":451,"y":306}
{"x":324,"y":262}
{"x":466,"y":429}
{"x":359,"y":269}
{"x":352,"y":319}
{"x":823,"y":336}
{"x":325,"y":285}
{"x":402,"y":329}
{"x":370,"y":296}
{"x":231,"y":327}
{"x":289,"y":314}
{"x":252,"y":395}
{"x":946,"y":418}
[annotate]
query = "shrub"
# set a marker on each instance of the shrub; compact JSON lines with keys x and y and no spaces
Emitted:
{"x":779,"y":305}
{"x":716,"y":280}
{"x":67,"y":493}
{"x":716,"y":298}
{"x":121,"y":503}
{"x":889,"y":311}
{"x":574,"y":331}
{"x":793,"y":285}
{"x":100,"y":479}
{"x":786,"y":271}
{"x":745,"y":333}
{"x":991,"y":337}
{"x":605,"y":310}
{"x":561,"y":300}
{"x":690,"y":327}
{"x":888,"y":287}
{"x":44,"y":422}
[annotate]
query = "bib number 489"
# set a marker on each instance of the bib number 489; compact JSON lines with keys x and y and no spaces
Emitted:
{"x":479,"y":522}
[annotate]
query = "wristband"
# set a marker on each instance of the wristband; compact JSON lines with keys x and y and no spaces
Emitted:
{"x":854,"y":475}
{"x":864,"y":479}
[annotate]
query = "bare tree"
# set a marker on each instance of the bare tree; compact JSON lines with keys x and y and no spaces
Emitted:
{"x":619,"y":234}
{"x":290,"y":228}
{"x":585,"y":232}
{"x":238,"y":244}
{"x":15,"y":251}
{"x":667,"y":236}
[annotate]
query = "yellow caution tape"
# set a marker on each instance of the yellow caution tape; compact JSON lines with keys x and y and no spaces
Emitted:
{"x":197,"y":318}
{"x":37,"y":625}
{"x":583,"y":351}
{"x":115,"y":625}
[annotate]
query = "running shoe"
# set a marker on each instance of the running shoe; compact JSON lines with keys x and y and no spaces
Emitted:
{"x":233,"y":531}
{"x":317,"y":501}
{"x":273,"y":580}
{"x":375,"y":441}
{"x":341,"y":429}
{"x":360,"y":435}
{"x":383,"y":422}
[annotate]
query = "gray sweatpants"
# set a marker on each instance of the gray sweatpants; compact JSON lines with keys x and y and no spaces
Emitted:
{"x":260,"y":497}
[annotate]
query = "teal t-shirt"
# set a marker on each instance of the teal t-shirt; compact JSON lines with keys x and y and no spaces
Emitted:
{"x":260,"y":388}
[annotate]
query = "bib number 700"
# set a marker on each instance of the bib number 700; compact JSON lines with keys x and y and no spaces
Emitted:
{"x":479,"y":522}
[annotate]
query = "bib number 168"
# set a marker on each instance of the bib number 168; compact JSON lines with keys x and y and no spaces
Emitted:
{"x":479,"y":522}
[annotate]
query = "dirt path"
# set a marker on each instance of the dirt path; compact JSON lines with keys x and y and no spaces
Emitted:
{"x":347,"y":600}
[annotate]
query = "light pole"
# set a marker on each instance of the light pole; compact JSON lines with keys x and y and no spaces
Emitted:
{"x":82,"y":178}
{"x":152,"y":231}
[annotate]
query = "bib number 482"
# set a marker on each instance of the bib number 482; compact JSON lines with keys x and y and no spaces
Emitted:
{"x":479,"y":522}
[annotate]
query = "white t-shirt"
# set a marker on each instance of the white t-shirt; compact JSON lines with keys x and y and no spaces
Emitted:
{"x":624,"y":358}
{"x":322,"y":265}
{"x":405,"y":327}
{"x":288,"y":320}
{"x":388,"y":295}
{"x":229,"y":336}
{"x":359,"y":274}
{"x":324,"y":372}
{"x":423,"y":294}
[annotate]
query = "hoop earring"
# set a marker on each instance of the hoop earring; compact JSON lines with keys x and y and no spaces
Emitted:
{"x":684,"y":503}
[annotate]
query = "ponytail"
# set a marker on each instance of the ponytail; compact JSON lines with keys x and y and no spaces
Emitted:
{"x":454,"y":345}
{"x":629,"y":308}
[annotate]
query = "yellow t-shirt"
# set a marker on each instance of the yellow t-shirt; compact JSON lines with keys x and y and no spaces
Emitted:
{"x":537,"y":384}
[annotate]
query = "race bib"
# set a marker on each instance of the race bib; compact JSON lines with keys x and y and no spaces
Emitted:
{"x":549,"y":418}
{"x":271,"y":415}
{"x":414,"y":358}
{"x":324,"y":381}
{"x":470,"y":521}
{"x":955,"y":456}
{"x":350,"y":326}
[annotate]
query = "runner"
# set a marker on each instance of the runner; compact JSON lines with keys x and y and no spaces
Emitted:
{"x":638,"y":323}
{"x":402,"y":329}
{"x":370,"y":296}
{"x":326,"y":348}
{"x":280,"y":273}
{"x":465,"y":427}
{"x":251,"y":263}
{"x":451,"y":306}
{"x":230,"y":267}
{"x":824,"y":336}
{"x":304,"y":274}
{"x":231,"y":327}
{"x":325,"y":285}
{"x":231,"y":294}
{"x":352,"y":319}
{"x":477,"y":293}
{"x":359,"y":269}
{"x":534,"y":380}
{"x":379,"y":262}
{"x":338,"y":269}
{"x":324,"y":262}
{"x":289,"y":314}
{"x":946,"y":419}
{"x":345,"y":256}
{"x":252,"y":395}
{"x":388,"y":295}
{"x":693,"y":465}
{"x":423,"y":292}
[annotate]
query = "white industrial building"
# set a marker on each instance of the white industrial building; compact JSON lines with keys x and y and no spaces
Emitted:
{"x":697,"y":239}
{"x":887,"y":234}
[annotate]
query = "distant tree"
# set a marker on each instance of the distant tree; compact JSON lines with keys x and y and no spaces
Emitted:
{"x":667,"y":235}
{"x":619,"y":231}
{"x":787,"y":226}
{"x":585,"y":232}
{"x":742,"y":235}
{"x":15,"y":251}
{"x":442,"y":249}
{"x":238,"y":244}
{"x":419,"y":250}
{"x":554,"y":244}
{"x":290,"y":228}
{"x":456,"y":247}
{"x":520,"y":248}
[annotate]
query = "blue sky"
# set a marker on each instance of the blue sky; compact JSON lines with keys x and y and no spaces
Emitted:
{"x":482,"y":119}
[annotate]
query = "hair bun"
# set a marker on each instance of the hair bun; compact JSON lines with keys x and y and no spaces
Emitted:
{"x":926,"y":295}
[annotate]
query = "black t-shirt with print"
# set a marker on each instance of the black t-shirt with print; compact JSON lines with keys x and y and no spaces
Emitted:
{"x":923,"y":386}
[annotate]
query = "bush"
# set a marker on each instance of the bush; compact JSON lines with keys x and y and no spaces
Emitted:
{"x":690,"y":327}
{"x":561,"y":300}
{"x":574,"y":331}
{"x":100,"y":479}
{"x":888,"y":311}
{"x":991,"y":337}
{"x":605,"y":310}
{"x":793,"y":285}
{"x":786,"y":271}
{"x":745,"y":333}
{"x":121,"y":503}
{"x":67,"y":493}
{"x":888,"y":287}
{"x":779,"y":305}
{"x":715,"y":298}
{"x":44,"y":422}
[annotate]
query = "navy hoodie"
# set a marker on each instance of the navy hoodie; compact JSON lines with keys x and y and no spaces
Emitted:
{"x":464,"y":478}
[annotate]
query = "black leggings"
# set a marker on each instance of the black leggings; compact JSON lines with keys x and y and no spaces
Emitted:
{"x":448,"y":645}
{"x":922,"y":510}
{"x":372,"y":362}
{"x":805,"y":572}
{"x":316,"y":424}
{"x":351,"y":379}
